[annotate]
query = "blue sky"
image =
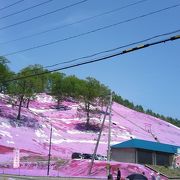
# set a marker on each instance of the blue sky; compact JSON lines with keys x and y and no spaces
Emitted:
{"x":149,"y":77}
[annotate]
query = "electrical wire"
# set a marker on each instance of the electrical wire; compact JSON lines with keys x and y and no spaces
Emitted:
{"x":73,"y":23}
{"x":23,"y":10}
{"x":10,"y":5}
{"x":129,"y":120}
{"x":110,"y":50}
{"x":173,"y":38}
{"x":42,"y":15}
{"x":113,"y":49}
{"x":90,"y":32}
{"x":125,"y":118}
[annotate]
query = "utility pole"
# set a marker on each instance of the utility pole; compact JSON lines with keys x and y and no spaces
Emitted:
{"x":49,"y":155}
{"x":109,"y":138}
{"x":97,"y":143}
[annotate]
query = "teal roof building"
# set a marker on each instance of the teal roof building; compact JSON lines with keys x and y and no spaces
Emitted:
{"x":148,"y":145}
{"x":144,"y":152}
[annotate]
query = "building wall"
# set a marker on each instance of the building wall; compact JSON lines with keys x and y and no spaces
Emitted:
{"x":123,"y":155}
{"x":144,"y":156}
{"x":141,"y":156}
{"x":164,"y":159}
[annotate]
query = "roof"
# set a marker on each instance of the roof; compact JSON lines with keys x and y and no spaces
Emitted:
{"x":147,"y":145}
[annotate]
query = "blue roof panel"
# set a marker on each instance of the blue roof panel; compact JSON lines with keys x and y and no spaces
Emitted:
{"x":148,"y":145}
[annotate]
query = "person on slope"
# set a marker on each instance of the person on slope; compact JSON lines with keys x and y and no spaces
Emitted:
{"x":153,"y":176}
{"x":118,"y":174}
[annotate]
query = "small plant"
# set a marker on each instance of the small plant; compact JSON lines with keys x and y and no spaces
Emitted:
{"x":167,"y":171}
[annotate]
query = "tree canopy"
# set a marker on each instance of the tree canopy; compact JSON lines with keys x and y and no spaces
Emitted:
{"x":90,"y":92}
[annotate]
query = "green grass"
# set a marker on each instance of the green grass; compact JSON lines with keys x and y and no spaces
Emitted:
{"x":167,"y":171}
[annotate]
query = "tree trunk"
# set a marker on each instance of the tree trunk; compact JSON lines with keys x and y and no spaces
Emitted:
{"x":28,"y":101}
{"x":58,"y":102}
{"x":20,"y":105}
{"x":87,"y":106}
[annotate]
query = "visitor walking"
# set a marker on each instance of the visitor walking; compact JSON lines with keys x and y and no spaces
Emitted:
{"x":153,"y":176}
{"x":158,"y":177}
{"x":118,"y":174}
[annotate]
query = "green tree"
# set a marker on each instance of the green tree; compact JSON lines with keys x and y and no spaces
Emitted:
{"x":70,"y":86}
{"x":104,"y":95}
{"x":5,"y":74}
{"x":56,"y":86}
{"x":139,"y":108}
{"x":24,"y":89}
{"x":38,"y":82}
{"x":89,"y":92}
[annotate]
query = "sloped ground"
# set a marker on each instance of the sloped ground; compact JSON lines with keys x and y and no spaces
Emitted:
{"x":31,"y":135}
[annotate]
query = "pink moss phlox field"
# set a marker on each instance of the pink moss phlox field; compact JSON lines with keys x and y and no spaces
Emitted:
{"x":31,"y":135}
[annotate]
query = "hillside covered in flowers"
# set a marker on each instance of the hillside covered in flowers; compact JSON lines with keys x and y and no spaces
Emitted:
{"x":31,"y":135}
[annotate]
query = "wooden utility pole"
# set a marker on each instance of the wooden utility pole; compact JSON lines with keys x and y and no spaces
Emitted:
{"x":49,"y":155}
{"x":97,"y":143}
{"x":109,"y":137}
{"x":109,"y":107}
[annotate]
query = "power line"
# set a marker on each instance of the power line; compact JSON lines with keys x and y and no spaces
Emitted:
{"x":110,"y":50}
{"x":92,"y":31}
{"x":73,"y":23}
{"x":42,"y":15}
{"x":129,"y":120}
{"x":10,"y":5}
{"x":23,"y":10}
{"x":173,"y":38}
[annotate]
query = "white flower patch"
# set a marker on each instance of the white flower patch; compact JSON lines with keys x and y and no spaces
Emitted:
{"x":43,"y":125}
{"x":69,"y":119}
{"x":39,"y":110}
{"x":10,"y":142}
{"x":57,"y":141}
{"x":41,"y":134}
{"x":5,"y":133}
{"x":122,"y":127}
{"x":64,"y":120}
{"x":124,"y":135}
{"x":5,"y":125}
{"x":74,"y":106}
{"x":82,"y":141}
{"x":8,"y":105}
{"x":76,"y":132}
{"x":44,"y":98}
{"x":55,"y":133}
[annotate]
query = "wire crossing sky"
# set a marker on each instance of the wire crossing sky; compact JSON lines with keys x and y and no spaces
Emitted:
{"x":76,"y":22}
{"x":26,"y":9}
{"x":10,"y":5}
{"x":173,"y":38}
{"x":42,"y":15}
{"x":94,"y":29}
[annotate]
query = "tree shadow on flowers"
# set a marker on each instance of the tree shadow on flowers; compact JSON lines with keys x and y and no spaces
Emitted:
{"x":93,"y":127}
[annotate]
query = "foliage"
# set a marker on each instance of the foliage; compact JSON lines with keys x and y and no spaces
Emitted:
{"x":104,"y":95}
{"x":24,"y":89}
{"x":139,"y":108}
{"x":167,"y":171}
{"x":56,"y":86}
{"x":5,"y":74}
{"x":89,"y":91}
{"x":71,"y":86}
